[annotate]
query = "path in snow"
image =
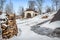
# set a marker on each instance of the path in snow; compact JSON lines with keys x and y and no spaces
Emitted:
{"x":27,"y":34}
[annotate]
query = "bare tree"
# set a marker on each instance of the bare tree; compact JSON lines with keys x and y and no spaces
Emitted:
{"x":48,"y":9}
{"x":32,"y":4}
{"x":53,"y":9}
{"x":1,"y":4}
{"x":40,"y":2}
{"x":9,"y":7}
{"x":20,"y":10}
{"x":56,"y":3}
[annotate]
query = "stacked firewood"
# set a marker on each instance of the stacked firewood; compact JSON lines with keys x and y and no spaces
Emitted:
{"x":10,"y":28}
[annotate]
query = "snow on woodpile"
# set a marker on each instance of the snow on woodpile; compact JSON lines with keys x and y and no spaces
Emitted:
{"x":3,"y":16}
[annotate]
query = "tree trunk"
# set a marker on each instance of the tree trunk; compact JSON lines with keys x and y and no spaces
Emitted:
{"x":56,"y":6}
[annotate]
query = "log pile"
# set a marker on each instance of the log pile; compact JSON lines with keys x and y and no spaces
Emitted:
{"x":44,"y":17}
{"x":10,"y":28}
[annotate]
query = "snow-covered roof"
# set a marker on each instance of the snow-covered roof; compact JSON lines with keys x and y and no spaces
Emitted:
{"x":31,"y":10}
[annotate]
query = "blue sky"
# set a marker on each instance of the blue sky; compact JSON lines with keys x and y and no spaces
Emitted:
{"x":24,"y":3}
{"x":18,"y":3}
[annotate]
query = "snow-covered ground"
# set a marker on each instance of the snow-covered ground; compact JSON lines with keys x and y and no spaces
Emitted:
{"x":27,"y":33}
